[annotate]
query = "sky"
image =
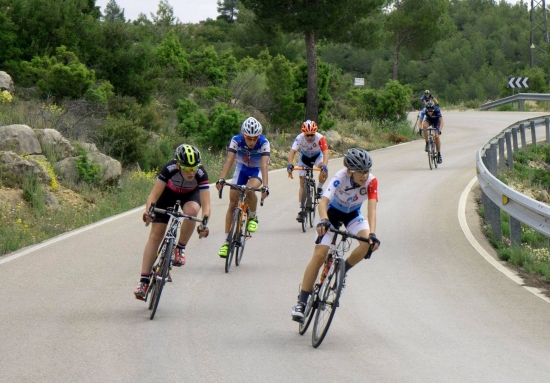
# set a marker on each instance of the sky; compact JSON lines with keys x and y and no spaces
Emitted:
{"x":187,"y":11}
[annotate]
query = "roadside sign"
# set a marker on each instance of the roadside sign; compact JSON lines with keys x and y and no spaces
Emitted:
{"x":359,"y":81}
{"x":518,"y":82}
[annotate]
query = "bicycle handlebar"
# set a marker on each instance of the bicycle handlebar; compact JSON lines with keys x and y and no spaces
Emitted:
{"x":303,"y":168}
{"x":176,"y":214}
{"x":242,"y":189}
{"x":345,"y":234}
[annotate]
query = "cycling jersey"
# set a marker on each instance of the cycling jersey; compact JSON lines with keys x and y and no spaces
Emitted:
{"x":425,"y":98}
{"x":310,"y":149}
{"x":433,"y":119}
{"x":248,"y":159}
{"x":175,"y":183}
{"x":179,"y":189}
{"x":347,"y":197}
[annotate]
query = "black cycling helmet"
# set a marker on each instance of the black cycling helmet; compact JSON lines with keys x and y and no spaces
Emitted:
{"x":187,"y":155}
{"x":357,"y":159}
{"x":430,"y":105}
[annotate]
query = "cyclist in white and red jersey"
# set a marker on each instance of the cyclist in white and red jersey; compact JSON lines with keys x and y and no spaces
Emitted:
{"x":313,"y":150}
{"x":183,"y":179}
{"x":341,"y":204}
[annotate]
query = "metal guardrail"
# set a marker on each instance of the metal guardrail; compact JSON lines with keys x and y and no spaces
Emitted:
{"x":520,"y":98}
{"x":528,"y":211}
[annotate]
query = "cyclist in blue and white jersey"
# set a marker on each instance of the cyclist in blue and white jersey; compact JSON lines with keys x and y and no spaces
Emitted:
{"x":433,"y":117}
{"x":341,"y":203}
{"x":251,"y":152}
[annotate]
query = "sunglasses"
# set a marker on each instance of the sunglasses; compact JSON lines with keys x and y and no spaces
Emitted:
{"x":362,"y":172}
{"x":310,"y":135}
{"x":255,"y":138}
{"x":189,"y":168}
{"x":430,"y":111}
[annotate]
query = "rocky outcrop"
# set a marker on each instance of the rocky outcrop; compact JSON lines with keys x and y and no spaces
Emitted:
{"x":6,"y":82}
{"x":20,"y":139}
{"x":110,"y":169}
{"x":52,"y":139}
{"x":333,"y":138}
{"x":17,"y":166}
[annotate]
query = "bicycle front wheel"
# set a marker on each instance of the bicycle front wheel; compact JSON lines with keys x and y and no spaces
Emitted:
{"x":328,"y":303}
{"x":233,"y":239}
{"x":160,"y":275}
{"x":309,"y":312}
{"x":434,"y":158}
{"x":430,"y":155}
{"x":243,"y":236}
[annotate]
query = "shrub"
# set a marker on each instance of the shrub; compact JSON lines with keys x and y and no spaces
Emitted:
{"x":87,"y":171}
{"x":225,"y":123}
{"x":34,"y":193}
{"x":124,"y":140}
{"x":191,"y":119}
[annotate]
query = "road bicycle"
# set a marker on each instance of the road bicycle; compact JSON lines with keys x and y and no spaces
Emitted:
{"x":325,"y":298}
{"x":309,"y":197}
{"x":161,"y":270}
{"x":432,"y":151}
{"x":239,"y":234}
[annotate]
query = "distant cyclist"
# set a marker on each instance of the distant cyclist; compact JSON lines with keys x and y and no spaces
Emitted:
{"x":433,"y":117}
{"x":251,"y":150}
{"x":341,"y":203}
{"x":428,"y":96}
{"x":313,"y":153}
{"x":183,"y":179}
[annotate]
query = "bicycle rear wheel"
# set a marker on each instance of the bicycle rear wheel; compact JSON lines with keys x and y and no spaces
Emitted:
{"x":160,"y":275}
{"x":233,"y":238}
{"x":328,"y":303}
{"x":304,"y":208}
{"x":243,"y":236}
{"x":309,"y":311}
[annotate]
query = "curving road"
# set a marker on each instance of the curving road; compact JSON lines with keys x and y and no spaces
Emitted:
{"x":426,"y":308}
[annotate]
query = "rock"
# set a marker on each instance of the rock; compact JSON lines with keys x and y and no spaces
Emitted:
{"x":20,"y":139}
{"x":89,"y":147}
{"x":113,"y":168}
{"x":333,"y":138}
{"x":51,"y":139}
{"x":6,"y":82}
{"x":52,"y":202}
{"x":12,"y":163}
{"x":66,"y":169}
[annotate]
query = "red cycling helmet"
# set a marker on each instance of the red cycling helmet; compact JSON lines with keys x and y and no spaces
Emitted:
{"x":309,"y":127}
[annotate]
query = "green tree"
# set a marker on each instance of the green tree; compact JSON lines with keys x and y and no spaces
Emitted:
{"x":227,"y":10}
{"x":415,"y":25}
{"x":113,"y":12}
{"x":170,"y":53}
{"x":319,"y":19}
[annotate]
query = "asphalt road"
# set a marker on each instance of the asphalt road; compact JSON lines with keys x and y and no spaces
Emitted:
{"x":426,"y":308}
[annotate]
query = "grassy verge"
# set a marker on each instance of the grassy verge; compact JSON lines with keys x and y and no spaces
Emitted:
{"x":530,"y":176}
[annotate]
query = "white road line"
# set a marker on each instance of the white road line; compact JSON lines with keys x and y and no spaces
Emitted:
{"x":496,"y":264}
{"x":69,"y":234}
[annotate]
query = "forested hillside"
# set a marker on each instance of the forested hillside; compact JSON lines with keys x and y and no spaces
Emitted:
{"x":127,"y":81}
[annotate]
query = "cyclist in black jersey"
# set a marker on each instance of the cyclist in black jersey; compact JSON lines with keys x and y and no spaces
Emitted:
{"x":183,"y":179}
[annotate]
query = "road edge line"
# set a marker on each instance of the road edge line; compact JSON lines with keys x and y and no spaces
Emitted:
{"x":477,"y":246}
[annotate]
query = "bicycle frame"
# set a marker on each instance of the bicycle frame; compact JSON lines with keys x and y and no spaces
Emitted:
{"x":432,"y":153}
{"x":309,"y":199}
{"x":162,"y":267}
{"x":238,"y":235}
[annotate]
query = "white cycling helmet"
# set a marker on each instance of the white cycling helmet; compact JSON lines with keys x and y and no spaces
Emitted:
{"x":251,"y":127}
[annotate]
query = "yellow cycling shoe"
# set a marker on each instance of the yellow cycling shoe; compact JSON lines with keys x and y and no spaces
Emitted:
{"x":252,"y":224}
{"x":223,"y":251}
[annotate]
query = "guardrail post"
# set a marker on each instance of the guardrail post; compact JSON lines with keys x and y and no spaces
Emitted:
{"x":522,"y":134}
{"x":492,"y":211}
{"x":501,"y":159}
{"x":515,"y":232}
{"x":515,"y":139}
{"x":510,"y":157}
{"x":547,"y":123}
{"x":520,"y":105}
{"x":533,"y":134}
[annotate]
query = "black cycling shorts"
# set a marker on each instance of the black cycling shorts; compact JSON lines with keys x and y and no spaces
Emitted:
{"x":169,"y":200}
